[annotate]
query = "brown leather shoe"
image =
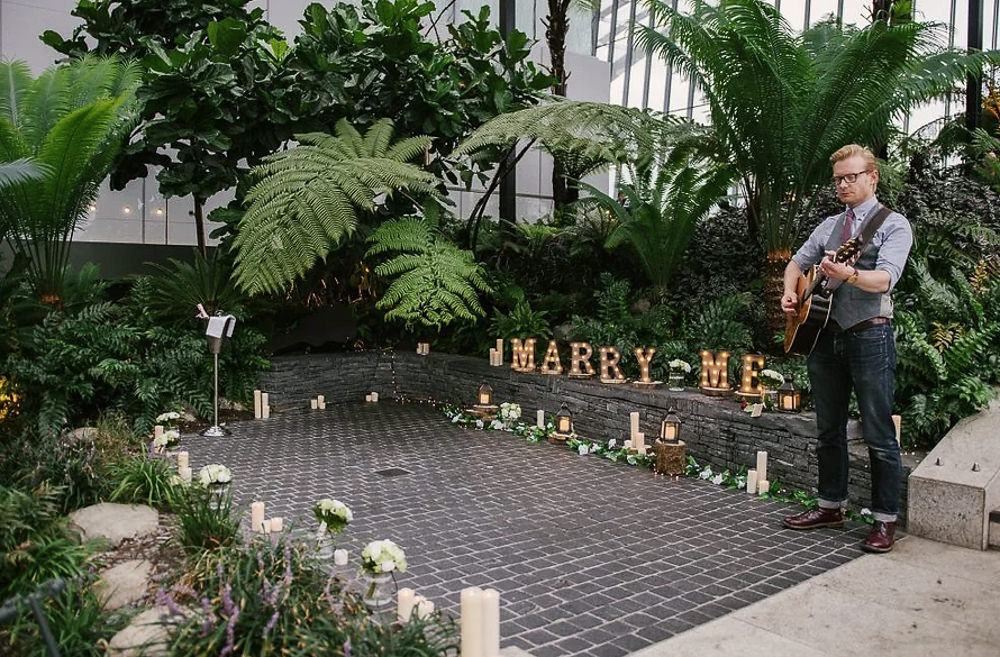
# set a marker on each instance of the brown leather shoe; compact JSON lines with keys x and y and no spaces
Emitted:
{"x":814,"y":518}
{"x":880,"y":538}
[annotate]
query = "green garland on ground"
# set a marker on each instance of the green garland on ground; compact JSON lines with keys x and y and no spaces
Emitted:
{"x":611,"y":450}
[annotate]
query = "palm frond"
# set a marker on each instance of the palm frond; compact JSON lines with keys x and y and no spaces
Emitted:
{"x":435,"y":283}
{"x":307,"y":200}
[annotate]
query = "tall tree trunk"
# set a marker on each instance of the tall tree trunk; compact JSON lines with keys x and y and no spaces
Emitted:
{"x":556,"y":28}
{"x":774,"y":287}
{"x":199,"y":225}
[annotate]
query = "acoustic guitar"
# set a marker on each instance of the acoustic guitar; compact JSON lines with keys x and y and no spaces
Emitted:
{"x":815,"y":292}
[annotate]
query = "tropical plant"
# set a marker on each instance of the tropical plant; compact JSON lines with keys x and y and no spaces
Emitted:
{"x":588,"y":134}
{"x":308,"y":197}
{"x":71,"y":120}
{"x":782,"y":102}
{"x":182,"y":286}
{"x":435,"y":282}
{"x":19,"y":171}
{"x":521,"y":321}
{"x":661,"y":213}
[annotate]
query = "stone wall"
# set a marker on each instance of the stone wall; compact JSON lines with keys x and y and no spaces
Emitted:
{"x":716,"y":430}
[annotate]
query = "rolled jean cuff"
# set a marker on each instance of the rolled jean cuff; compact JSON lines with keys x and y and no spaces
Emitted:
{"x":883,"y":517}
{"x":827,"y":504}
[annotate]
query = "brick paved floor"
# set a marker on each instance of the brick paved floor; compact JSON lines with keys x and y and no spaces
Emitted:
{"x":590,"y":557}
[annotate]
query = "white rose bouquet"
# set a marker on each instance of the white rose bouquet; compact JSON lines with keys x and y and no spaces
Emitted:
{"x":509,"y":411}
{"x":383,"y":557}
{"x":333,"y":514}
{"x":168,"y":439}
{"x":168,"y":419}
{"x":214,"y":474}
{"x":679,"y":366}
{"x":770,"y":379}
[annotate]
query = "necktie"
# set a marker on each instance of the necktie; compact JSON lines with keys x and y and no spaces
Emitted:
{"x":848,"y":231}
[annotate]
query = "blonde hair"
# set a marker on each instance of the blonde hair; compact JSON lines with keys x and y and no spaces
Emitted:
{"x":852,"y":150}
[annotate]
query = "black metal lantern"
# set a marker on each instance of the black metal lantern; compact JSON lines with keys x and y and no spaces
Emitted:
{"x":564,"y":421}
{"x":485,"y":395}
{"x":670,"y":429}
{"x":789,"y":397}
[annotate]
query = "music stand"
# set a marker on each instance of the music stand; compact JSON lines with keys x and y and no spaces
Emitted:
{"x":219,"y":328}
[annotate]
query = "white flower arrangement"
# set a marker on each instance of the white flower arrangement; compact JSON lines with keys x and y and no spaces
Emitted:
{"x":334,"y":514}
{"x":479,"y":424}
{"x":706,"y":473}
{"x":771,"y":378}
{"x":509,"y":411}
{"x":383,"y":557}
{"x":717,"y":479}
{"x":678,"y":365}
{"x":168,"y":419}
{"x":583,"y":450}
{"x":167,"y":439}
{"x":214,"y":473}
{"x":612,"y":443}
{"x":498,"y":425}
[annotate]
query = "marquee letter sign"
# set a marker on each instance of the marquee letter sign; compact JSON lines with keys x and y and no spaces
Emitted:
{"x":523,"y":355}
{"x":714,"y":372}
{"x":552,"y":364}
{"x":644,"y":356}
{"x":609,"y":363}
{"x":750,"y":386}
{"x":579,"y":355}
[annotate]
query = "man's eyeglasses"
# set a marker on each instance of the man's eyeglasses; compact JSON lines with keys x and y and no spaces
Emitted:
{"x":849,"y":178}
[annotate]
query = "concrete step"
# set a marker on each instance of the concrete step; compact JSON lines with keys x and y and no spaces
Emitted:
{"x":953,"y":491}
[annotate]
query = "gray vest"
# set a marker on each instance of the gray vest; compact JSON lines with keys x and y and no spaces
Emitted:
{"x":851,"y":304}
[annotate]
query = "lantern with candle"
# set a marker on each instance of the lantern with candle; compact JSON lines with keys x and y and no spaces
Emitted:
{"x":484,"y":407}
{"x":670,"y":428}
{"x":789,"y":397}
{"x":564,"y":425}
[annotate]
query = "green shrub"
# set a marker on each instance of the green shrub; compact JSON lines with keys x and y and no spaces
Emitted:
{"x":35,"y":541}
{"x":76,"y":619}
{"x":142,"y":480}
{"x":206,"y":520}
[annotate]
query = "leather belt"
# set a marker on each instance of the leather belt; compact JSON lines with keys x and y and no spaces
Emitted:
{"x":834,"y":327}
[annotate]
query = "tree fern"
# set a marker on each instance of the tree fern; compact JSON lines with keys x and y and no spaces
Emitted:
{"x":435,"y":282}
{"x":308,"y":199}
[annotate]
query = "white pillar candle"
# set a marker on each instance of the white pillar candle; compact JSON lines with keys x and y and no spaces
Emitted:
{"x":423,"y":607}
{"x":640,"y":442}
{"x":763,"y":485}
{"x":471,"y":622}
{"x":761,"y":465}
{"x":157,"y":431}
{"x":267,"y":526}
{"x":322,"y":405}
{"x":321,"y":399}
{"x":374,"y":396}
{"x":257,"y":516}
{"x":256,"y":405}
{"x":368,"y":397}
{"x":752,"y":482}
{"x":491,"y":623}
{"x":340,"y":557}
{"x":499,"y":351}
{"x":265,"y":408}
{"x":313,"y":404}
{"x":184,"y":474}
{"x":633,"y":420}
{"x":898,"y":421}
{"x":493,"y":356}
{"x":540,"y":419}
{"x":277,"y":524}
{"x":183,"y":460}
{"x":405,"y":599}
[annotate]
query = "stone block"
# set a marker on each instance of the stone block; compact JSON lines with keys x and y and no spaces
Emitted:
{"x":953,"y":491}
{"x":124,"y":584}
{"x":115,"y":522}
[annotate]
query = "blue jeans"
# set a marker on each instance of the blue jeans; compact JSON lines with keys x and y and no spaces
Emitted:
{"x":866,"y":361}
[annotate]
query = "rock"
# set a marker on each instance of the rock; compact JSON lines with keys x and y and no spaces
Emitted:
{"x":146,"y":635}
{"x":115,"y":522}
{"x":124,"y":584}
{"x":82,"y":434}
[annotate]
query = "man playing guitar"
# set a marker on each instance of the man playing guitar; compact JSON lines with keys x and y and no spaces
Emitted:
{"x":855,"y":350}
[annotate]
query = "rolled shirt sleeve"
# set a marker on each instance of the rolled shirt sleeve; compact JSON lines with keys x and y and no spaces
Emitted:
{"x":814,"y":248}
{"x":895,"y":239}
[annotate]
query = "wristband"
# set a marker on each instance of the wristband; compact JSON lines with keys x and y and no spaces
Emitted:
{"x":852,"y":278}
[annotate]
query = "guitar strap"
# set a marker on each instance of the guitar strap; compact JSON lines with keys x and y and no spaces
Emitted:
{"x":872,"y":225}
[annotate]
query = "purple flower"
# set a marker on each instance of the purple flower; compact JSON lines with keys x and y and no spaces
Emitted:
{"x":164,"y":599}
{"x":270,"y":625}
{"x":347,"y":648}
{"x":206,"y":625}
